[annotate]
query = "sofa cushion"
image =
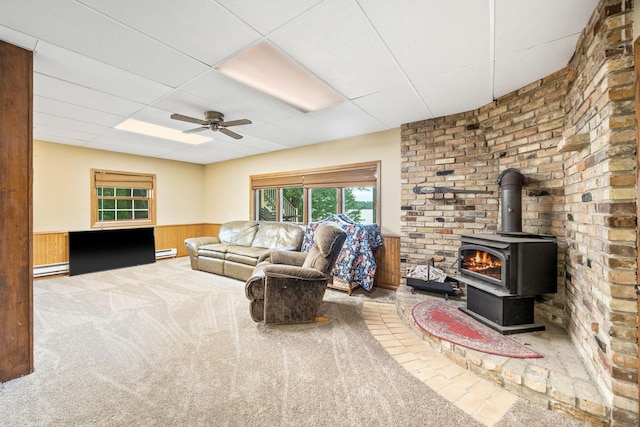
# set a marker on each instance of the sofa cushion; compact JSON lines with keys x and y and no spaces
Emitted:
{"x":238,"y":232}
{"x":278,"y":235}
{"x":213,"y":250}
{"x":244,"y":255}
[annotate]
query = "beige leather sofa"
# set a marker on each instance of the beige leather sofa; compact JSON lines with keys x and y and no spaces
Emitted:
{"x":241,"y":245}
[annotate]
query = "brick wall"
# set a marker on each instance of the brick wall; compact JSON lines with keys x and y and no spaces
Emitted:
{"x":572,"y":136}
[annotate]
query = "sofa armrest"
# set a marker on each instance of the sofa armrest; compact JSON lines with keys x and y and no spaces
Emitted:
{"x":193,"y":243}
{"x":288,"y":257}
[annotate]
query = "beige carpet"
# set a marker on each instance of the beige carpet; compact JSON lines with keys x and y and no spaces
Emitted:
{"x":164,"y":345}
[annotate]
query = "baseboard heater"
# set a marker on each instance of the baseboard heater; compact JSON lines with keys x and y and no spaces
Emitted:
{"x":166,"y":253}
{"x":63,"y":267}
{"x":50,"y":269}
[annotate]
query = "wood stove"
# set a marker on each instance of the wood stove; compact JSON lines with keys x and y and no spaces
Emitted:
{"x":517,"y":263}
{"x":504,"y":272}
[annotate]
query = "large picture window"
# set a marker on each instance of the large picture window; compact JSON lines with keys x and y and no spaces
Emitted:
{"x":122,"y":198}
{"x":313,"y":194}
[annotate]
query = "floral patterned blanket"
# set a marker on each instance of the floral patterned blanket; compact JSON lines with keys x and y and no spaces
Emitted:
{"x":356,"y":263}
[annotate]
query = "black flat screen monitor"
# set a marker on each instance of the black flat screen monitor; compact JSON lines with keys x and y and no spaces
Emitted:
{"x":100,"y":250}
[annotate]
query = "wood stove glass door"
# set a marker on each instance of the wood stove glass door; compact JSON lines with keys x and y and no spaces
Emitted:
{"x":484,"y":263}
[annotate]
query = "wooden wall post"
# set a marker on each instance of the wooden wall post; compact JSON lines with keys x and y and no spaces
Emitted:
{"x":16,"y":217}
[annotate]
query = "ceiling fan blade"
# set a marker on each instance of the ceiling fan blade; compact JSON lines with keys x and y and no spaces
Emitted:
{"x":196,"y":129}
{"x":230,"y":133}
{"x":236,"y":122}
{"x":176,"y":116}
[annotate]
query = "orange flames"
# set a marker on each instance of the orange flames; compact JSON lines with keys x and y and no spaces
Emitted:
{"x":481,"y":261}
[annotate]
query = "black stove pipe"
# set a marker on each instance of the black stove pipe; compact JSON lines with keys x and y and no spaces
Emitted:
{"x":510,"y":182}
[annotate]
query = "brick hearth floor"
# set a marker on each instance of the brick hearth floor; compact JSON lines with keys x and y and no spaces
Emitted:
{"x":482,"y":385}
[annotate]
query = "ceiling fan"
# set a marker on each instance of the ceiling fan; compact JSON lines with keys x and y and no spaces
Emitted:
{"x":213,"y":120}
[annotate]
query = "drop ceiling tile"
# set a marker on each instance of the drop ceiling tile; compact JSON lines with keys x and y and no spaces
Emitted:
{"x":310,"y":127}
{"x":522,"y":24}
{"x":336,"y":41}
{"x":222,"y":143}
{"x":348,"y":119}
{"x":395,"y":106}
{"x":17,"y":38}
{"x":260,"y":144}
{"x":190,"y":105}
{"x":76,"y":112}
{"x":192,"y":156}
{"x":49,"y":87}
{"x":76,"y":27}
{"x":458,"y":91}
{"x":43,"y":119}
{"x":60,"y":135}
{"x":68,"y":66}
{"x":432,"y":37}
{"x":267,"y":16}
{"x":134,"y":149}
{"x":202,"y":29}
{"x":526,"y":66}
{"x":222,"y":90}
{"x":141,"y":143}
{"x":278,"y":135}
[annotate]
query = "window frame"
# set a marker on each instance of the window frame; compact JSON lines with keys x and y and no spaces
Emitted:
{"x":126,"y":180}
{"x":366,"y":174}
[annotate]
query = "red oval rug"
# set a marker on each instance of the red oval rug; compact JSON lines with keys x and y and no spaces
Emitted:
{"x":448,"y":323}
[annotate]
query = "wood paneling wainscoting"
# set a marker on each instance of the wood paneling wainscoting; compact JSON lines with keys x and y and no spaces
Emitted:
{"x":388,"y":263}
{"x":52,"y":248}
{"x":172,"y":236}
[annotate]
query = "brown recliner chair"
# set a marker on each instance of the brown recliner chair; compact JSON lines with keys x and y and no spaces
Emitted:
{"x":289,"y":288}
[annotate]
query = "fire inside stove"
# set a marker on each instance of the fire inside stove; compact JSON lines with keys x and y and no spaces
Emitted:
{"x":481,"y":262}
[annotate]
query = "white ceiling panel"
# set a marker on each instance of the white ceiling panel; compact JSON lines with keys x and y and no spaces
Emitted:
{"x":522,"y":24}
{"x":17,"y":38}
{"x":76,"y":27}
{"x":339,"y":117}
{"x":69,"y":66}
{"x":135,"y":142}
{"x":49,"y":87}
{"x":71,"y":111}
{"x":229,"y":93}
{"x":309,"y":126}
{"x":519,"y":69}
{"x":433,"y":37}
{"x":193,"y":156}
{"x":66,"y":123}
{"x":395,"y":106}
{"x":209,"y":35}
{"x":338,"y":43}
{"x":266,"y":16}
{"x":277,"y":134}
{"x":460,"y":90}
{"x":60,"y":135}
{"x":99,"y":62}
{"x":262,"y":145}
{"x":224,"y":144}
{"x":191,"y":105}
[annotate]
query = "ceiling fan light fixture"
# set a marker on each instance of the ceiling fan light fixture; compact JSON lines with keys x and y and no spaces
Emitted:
{"x":269,"y":70}
{"x":149,"y":129}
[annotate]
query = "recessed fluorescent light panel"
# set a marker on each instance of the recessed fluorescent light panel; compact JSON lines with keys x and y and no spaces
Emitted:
{"x":150,"y":129}
{"x":269,"y":70}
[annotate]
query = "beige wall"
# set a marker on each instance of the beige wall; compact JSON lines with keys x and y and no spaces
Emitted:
{"x":227,"y":183}
{"x":61,"y":181}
